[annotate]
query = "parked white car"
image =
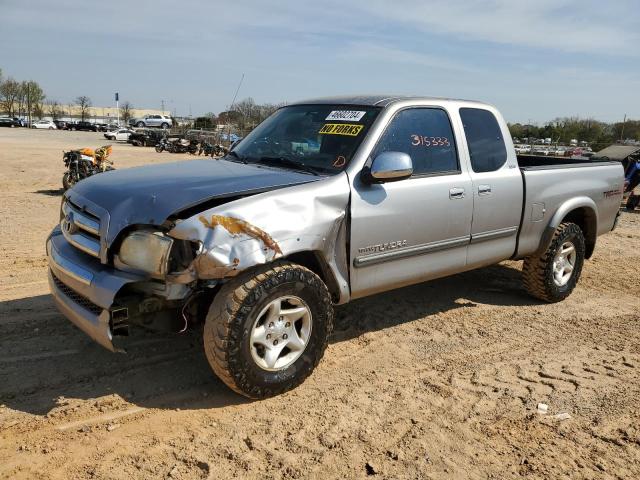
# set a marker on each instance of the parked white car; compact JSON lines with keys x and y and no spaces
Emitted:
{"x":162,"y":121}
{"x":120,"y":135}
{"x":520,"y":149}
{"x":46,"y":124}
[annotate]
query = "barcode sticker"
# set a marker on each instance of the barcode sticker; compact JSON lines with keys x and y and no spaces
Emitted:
{"x":346,"y":115}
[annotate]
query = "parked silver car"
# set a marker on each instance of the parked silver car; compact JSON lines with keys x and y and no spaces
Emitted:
{"x":325,"y":202}
{"x":162,"y":121}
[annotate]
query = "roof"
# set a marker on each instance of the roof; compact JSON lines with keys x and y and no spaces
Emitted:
{"x":618,"y":152}
{"x":366,"y":100}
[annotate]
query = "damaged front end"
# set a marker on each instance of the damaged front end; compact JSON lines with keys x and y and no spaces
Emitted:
{"x":162,"y":277}
{"x":304,"y":223}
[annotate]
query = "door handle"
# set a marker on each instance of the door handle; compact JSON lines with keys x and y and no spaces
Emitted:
{"x":455,"y":193}
{"x":484,"y":189}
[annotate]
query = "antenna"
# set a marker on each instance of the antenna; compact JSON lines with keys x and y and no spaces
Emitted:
{"x":236,"y":94}
{"x":231,"y":109}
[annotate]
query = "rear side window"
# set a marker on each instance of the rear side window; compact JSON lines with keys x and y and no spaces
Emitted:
{"x":425,"y":134}
{"x":484,"y":137}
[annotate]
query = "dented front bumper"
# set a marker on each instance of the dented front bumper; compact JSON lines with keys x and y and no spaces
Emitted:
{"x":83,"y":289}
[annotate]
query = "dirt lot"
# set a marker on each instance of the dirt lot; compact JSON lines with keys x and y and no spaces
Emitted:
{"x":439,"y":380}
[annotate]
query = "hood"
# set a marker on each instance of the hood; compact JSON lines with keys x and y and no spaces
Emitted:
{"x":150,"y":194}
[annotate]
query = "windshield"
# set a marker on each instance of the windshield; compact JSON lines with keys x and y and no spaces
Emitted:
{"x":313,"y":138}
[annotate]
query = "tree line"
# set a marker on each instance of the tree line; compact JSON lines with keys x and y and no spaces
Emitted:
{"x":244,"y":116}
{"x":563,"y":130}
{"x":26,"y":99}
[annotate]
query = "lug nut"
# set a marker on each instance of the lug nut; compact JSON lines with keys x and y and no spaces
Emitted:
{"x":285,"y":336}
{"x":270,"y":324}
{"x":268,"y":336}
{"x":288,"y":324}
{"x":281,"y":318}
{"x":275,"y":342}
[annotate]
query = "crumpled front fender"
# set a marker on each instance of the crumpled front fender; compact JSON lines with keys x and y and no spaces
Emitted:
{"x":261,"y":228}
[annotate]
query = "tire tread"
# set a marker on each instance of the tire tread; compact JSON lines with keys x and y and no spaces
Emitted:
{"x":535,"y":268}
{"x":235,"y":299}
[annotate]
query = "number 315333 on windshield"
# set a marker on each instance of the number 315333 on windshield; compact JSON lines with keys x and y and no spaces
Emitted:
{"x":426,"y":141}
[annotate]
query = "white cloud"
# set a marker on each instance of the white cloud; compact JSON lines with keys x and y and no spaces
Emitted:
{"x":385,"y":56}
{"x":581,"y":26}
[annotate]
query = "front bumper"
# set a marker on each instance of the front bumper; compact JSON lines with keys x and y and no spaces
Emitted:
{"x":83,"y":289}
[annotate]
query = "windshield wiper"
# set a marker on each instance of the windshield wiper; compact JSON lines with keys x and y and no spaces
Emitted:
{"x":286,"y":162}
{"x":232,"y":153}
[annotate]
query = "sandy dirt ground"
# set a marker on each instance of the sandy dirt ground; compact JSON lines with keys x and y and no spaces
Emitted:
{"x":438,"y":380}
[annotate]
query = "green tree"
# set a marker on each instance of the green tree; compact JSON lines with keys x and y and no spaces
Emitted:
{"x":9,"y":95}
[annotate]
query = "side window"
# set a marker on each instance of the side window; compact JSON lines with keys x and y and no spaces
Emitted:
{"x":425,"y":134}
{"x":486,"y":145}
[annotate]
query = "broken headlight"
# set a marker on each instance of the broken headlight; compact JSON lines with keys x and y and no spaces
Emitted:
{"x":147,"y":252}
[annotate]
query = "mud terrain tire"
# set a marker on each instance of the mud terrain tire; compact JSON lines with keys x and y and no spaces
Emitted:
{"x":538,"y":270}
{"x":234,"y":312}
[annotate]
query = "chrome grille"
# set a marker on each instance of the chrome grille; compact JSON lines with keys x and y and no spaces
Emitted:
{"x":80,"y":228}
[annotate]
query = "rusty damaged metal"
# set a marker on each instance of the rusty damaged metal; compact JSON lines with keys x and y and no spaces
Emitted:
{"x":258,"y":229}
{"x":235,"y":226}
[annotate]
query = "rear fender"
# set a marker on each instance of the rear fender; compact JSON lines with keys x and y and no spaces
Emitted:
{"x":580,"y":210}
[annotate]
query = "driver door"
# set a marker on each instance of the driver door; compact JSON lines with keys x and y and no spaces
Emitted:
{"x":418,"y":228}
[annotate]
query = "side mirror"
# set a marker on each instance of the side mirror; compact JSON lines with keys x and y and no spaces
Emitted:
{"x":389,"y":167}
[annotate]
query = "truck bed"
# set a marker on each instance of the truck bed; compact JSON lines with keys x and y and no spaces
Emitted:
{"x":550,"y":181}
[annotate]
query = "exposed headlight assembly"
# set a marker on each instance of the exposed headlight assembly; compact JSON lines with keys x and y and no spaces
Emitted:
{"x":147,"y":252}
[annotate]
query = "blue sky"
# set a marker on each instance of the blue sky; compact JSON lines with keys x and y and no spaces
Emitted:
{"x":535,"y":60}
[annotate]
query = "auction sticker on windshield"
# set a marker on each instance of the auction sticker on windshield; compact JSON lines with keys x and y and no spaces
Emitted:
{"x":349,"y":129}
{"x":346,"y":115}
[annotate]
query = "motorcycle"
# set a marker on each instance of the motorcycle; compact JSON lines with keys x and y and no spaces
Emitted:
{"x":177,"y":145}
{"x":84,"y":163}
{"x":212,"y":150}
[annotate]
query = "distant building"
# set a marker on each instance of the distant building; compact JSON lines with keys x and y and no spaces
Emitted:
{"x":101,"y":114}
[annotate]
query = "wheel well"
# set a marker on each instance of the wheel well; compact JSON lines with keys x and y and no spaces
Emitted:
{"x":316,"y":263}
{"x":585,"y":218}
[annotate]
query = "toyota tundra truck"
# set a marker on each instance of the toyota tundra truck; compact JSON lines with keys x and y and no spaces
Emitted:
{"x":324,"y":202}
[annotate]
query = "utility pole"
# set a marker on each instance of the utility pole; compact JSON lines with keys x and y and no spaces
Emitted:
{"x":622,"y":130}
{"x":118,"y":107}
{"x":162,"y":104}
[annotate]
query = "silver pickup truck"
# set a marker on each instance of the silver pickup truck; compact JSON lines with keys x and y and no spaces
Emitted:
{"x":326,"y":201}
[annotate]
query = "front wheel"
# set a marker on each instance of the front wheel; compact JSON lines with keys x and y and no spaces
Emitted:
{"x":68,"y":181}
{"x":553,"y":275}
{"x":267,"y":329}
{"x":140,"y":124}
{"x":159,"y":148}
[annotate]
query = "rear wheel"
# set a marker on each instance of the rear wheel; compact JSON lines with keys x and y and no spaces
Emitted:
{"x":553,"y":275}
{"x":159,"y":148}
{"x":267,"y":329}
{"x":165,"y":125}
{"x":140,"y":124}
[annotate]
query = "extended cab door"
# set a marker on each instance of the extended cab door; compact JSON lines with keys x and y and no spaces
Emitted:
{"x":418,"y":228}
{"x":497,"y":187}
